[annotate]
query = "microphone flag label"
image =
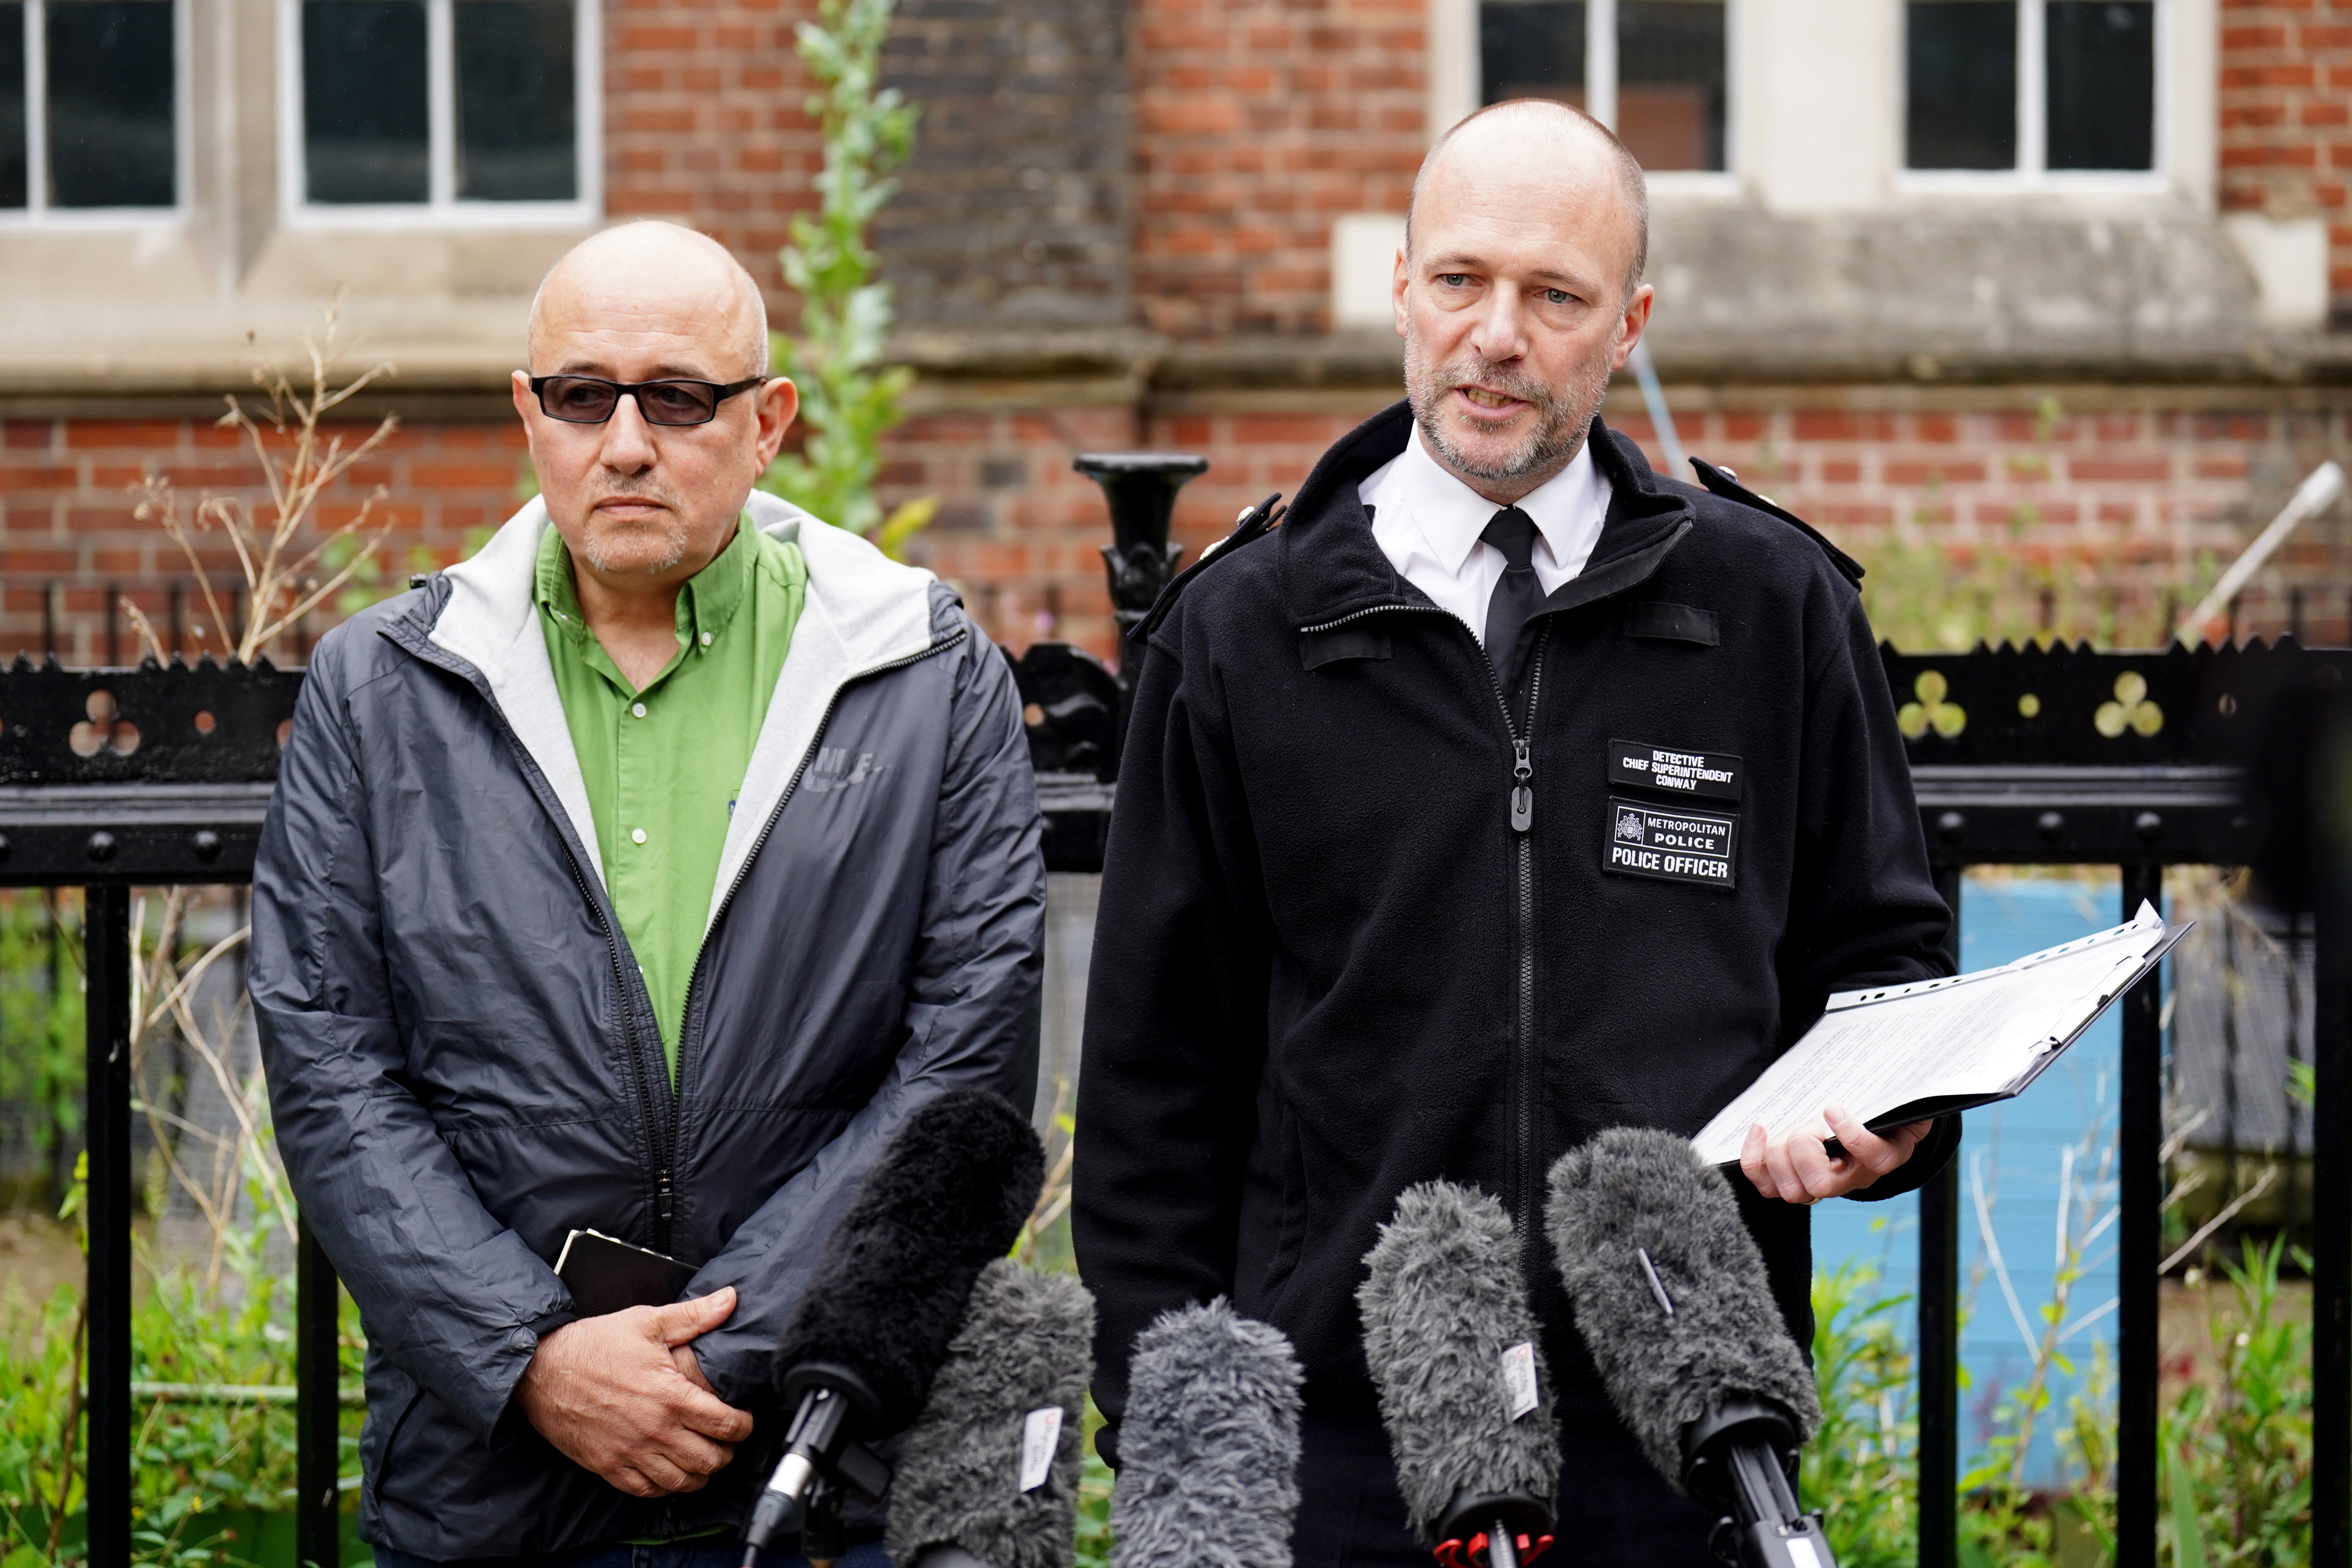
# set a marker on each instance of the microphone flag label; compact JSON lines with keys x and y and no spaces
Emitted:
{"x":1519,"y":1379}
{"x":1041,"y":1435}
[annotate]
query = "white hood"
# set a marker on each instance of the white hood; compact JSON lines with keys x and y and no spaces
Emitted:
{"x":863,"y":611}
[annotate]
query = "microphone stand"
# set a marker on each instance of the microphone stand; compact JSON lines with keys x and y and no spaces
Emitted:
{"x":1742,"y":1458}
{"x":1493,"y":1529}
{"x":821,"y":1460}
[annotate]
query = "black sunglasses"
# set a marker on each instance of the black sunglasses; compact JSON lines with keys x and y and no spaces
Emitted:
{"x":591,"y":400}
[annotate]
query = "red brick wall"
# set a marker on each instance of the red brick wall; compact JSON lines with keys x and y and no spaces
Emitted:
{"x":2002,"y":522}
{"x":703,"y":125}
{"x":2009,"y":523}
{"x":1022,"y":534}
{"x":2286,"y":117}
{"x":66,"y":530}
{"x":1256,"y":123}
{"x":1970,"y":515}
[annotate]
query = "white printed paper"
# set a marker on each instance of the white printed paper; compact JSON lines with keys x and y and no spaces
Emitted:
{"x":1519,"y":1379}
{"x":1041,"y":1435}
{"x":1975,"y":1035}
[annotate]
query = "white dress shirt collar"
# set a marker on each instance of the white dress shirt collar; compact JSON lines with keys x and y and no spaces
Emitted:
{"x":1428,"y":522}
{"x":1568,"y":508}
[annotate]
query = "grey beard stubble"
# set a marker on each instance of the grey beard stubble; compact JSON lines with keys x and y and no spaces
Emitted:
{"x":1560,"y":426}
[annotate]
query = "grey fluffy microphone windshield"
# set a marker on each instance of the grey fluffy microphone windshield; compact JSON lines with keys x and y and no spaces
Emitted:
{"x":991,"y":1466}
{"x":1209,"y":1451}
{"x":1455,"y":1355}
{"x":1670,"y":1293}
{"x":946,"y":1198}
{"x":1634,"y":1192}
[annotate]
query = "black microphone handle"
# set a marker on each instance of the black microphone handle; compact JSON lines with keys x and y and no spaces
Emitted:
{"x":779,"y":1512}
{"x":1773,"y":1532}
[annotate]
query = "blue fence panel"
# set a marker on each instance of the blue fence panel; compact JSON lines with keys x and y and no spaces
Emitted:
{"x":2016,"y":1154}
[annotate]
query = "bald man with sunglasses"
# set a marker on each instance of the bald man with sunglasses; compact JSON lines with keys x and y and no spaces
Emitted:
{"x":638,"y":876}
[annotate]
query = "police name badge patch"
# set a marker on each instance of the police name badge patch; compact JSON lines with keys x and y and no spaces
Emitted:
{"x":1672,"y":845}
{"x":1715,"y":774}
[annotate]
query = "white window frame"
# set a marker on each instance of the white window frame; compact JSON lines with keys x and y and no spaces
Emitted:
{"x":2032,"y":173}
{"x":1456,"y":87}
{"x":37,"y":212}
{"x":443,"y":209}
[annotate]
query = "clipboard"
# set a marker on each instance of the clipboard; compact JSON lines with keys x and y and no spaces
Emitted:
{"x":1900,"y":1054}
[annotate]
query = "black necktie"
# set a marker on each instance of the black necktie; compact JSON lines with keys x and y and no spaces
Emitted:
{"x":1517,"y":595}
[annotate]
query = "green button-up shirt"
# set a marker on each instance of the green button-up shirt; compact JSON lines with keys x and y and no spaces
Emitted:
{"x":663,"y":764}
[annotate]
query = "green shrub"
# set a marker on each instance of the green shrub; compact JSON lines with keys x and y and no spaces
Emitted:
{"x":2238,"y":1450}
{"x":1859,"y":1468}
{"x":849,"y":399}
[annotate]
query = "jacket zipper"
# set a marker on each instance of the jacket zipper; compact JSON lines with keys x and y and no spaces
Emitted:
{"x":657,"y":1194}
{"x":657,"y":1186}
{"x":670,"y":1128}
{"x":1522,"y":808}
{"x":1522,"y":821}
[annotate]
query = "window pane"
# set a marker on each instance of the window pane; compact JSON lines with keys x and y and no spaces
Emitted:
{"x":365,"y":127}
{"x":1531,"y":49}
{"x":2102,"y":84}
{"x":1962,"y":79}
{"x":111,"y":109}
{"x":13,"y":187}
{"x":515,"y":124}
{"x":1670,"y":82}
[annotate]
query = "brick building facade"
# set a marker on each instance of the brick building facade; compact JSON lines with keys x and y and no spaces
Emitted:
{"x":1134,"y":223}
{"x":2286,"y":123}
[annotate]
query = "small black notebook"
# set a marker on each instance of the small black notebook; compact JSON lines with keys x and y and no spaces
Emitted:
{"x":607,"y":1276}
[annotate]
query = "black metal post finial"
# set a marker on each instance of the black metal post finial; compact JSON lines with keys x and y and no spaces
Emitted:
{"x":1141,"y":489}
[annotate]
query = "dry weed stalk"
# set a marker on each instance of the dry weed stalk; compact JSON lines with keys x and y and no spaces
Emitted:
{"x":162,"y":990}
{"x":280,"y":586}
{"x":1053,"y":1197}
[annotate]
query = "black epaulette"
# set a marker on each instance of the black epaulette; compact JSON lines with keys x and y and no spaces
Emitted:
{"x":1254,"y":525}
{"x":1721,"y":483}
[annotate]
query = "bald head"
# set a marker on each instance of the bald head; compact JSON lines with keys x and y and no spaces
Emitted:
{"x":1532,"y":142}
{"x":653,"y":276}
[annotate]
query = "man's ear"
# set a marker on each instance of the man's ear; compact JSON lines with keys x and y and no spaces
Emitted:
{"x":1631,"y":325}
{"x":1399,"y":280}
{"x":779,"y":404}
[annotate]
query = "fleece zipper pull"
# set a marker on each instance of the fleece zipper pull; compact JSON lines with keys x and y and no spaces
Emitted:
{"x":1523,"y":799}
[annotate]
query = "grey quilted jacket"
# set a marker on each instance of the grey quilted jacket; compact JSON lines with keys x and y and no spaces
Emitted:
{"x":463,"y":1061}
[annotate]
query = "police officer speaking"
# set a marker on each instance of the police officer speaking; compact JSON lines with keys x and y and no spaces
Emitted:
{"x":1506,"y":792}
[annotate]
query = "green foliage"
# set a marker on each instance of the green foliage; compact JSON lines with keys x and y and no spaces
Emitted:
{"x":1095,"y":1480}
{"x":195,"y":1458}
{"x":2240,"y":1449}
{"x":2237,"y":1450}
{"x":370,"y":583}
{"x":847,"y":399}
{"x":40,"y":1376}
{"x":41,"y":1046}
{"x":1923,"y":595}
{"x":1859,"y":1468}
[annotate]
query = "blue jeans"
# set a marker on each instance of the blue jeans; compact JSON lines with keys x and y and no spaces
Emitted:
{"x":702,"y":1551}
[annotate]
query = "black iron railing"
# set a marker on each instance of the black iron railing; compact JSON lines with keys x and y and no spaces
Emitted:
{"x":2136,"y":759}
{"x":111,"y":779}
